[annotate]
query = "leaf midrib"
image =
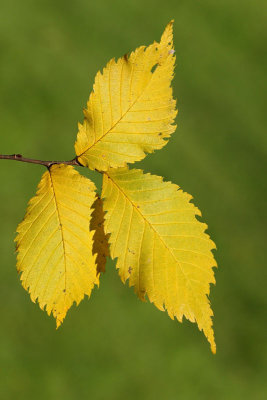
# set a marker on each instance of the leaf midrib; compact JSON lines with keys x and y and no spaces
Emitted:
{"x":61,"y":229}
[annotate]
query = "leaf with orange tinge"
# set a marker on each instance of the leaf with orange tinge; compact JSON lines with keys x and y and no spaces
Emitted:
{"x":100,"y":246}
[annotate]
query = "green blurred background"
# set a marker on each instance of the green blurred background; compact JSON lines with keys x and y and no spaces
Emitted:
{"x":114,"y":346}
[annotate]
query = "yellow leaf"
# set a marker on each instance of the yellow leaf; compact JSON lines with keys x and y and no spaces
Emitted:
{"x":54,"y":244}
{"x":131,"y":110}
{"x":161,"y":247}
{"x":100,"y":246}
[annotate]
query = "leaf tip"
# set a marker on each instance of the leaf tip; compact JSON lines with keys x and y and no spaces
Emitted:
{"x":59,"y":321}
{"x":213,"y":346}
{"x":211,"y":340}
{"x":167,"y":36}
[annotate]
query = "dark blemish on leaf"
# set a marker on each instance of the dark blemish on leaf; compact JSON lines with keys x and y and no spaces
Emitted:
{"x":125,"y":57}
{"x":131,"y":251}
{"x":130,"y":270}
{"x":153,"y":69}
{"x":64,"y":290}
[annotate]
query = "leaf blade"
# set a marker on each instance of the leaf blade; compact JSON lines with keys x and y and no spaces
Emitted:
{"x":131,"y":110}
{"x":54,"y":246}
{"x":161,"y":247}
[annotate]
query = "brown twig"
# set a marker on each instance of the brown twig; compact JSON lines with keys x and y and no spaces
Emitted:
{"x":19,"y":157}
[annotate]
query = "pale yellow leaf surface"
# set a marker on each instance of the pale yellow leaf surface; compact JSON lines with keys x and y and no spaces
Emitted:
{"x":160,"y":245}
{"x":100,"y":246}
{"x":131,"y":109}
{"x":54,"y":244}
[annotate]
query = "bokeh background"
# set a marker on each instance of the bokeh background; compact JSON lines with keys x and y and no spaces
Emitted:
{"x":113,"y":346}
